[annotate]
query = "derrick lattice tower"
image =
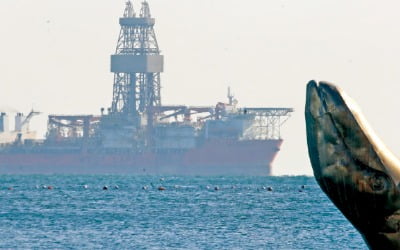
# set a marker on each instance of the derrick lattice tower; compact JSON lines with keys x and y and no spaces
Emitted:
{"x":136,"y":65}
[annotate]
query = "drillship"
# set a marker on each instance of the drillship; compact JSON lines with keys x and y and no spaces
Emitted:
{"x":139,"y":135}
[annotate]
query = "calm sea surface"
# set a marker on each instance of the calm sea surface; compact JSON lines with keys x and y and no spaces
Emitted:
{"x":190,"y":214}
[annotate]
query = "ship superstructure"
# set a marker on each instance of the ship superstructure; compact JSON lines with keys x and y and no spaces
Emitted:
{"x":139,"y":135}
{"x":21,"y":132}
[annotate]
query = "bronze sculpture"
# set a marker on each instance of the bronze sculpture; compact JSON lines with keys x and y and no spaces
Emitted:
{"x":352,"y":166}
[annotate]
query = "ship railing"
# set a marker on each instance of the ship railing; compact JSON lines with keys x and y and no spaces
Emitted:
{"x":267,"y":122}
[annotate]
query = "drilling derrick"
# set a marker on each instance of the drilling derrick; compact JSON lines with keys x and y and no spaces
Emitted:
{"x":136,"y":65}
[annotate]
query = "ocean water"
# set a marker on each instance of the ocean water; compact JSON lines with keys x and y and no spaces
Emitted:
{"x":76,"y":213}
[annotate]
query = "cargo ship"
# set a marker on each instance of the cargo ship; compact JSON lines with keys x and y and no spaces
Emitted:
{"x":139,"y":135}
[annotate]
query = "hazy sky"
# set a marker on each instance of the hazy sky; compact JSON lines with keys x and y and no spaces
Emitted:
{"x":54,"y":56}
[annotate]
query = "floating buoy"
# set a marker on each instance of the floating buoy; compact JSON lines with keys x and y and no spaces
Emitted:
{"x":302,"y":187}
{"x":49,"y":187}
{"x":161,"y":188}
{"x":144,"y":187}
{"x":116,"y":187}
{"x":269,"y":188}
{"x":208,"y":187}
{"x":216,"y":188}
{"x":161,"y":179}
{"x":105,"y":188}
{"x":85,"y":186}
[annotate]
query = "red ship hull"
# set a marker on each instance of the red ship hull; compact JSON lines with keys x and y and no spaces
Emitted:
{"x":218,"y":157}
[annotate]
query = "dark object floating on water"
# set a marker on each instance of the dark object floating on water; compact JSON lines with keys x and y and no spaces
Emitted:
{"x":105,"y":188}
{"x":216,"y":188}
{"x":161,"y":188}
{"x":269,"y":189}
{"x":352,"y":166}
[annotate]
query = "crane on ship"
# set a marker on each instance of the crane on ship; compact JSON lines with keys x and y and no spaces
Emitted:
{"x":24,"y":124}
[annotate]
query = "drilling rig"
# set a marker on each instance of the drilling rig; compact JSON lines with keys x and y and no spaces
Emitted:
{"x":138,"y":135}
{"x":136,"y":65}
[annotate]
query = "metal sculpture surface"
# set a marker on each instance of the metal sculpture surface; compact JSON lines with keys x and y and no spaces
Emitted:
{"x":352,"y":166}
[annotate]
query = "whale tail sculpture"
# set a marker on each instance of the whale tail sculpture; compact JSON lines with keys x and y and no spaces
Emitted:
{"x":352,"y":166}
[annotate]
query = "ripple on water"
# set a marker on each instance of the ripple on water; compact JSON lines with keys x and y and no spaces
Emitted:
{"x":241,"y":214}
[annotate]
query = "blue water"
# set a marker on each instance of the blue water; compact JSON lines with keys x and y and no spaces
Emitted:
{"x":189,"y":214}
